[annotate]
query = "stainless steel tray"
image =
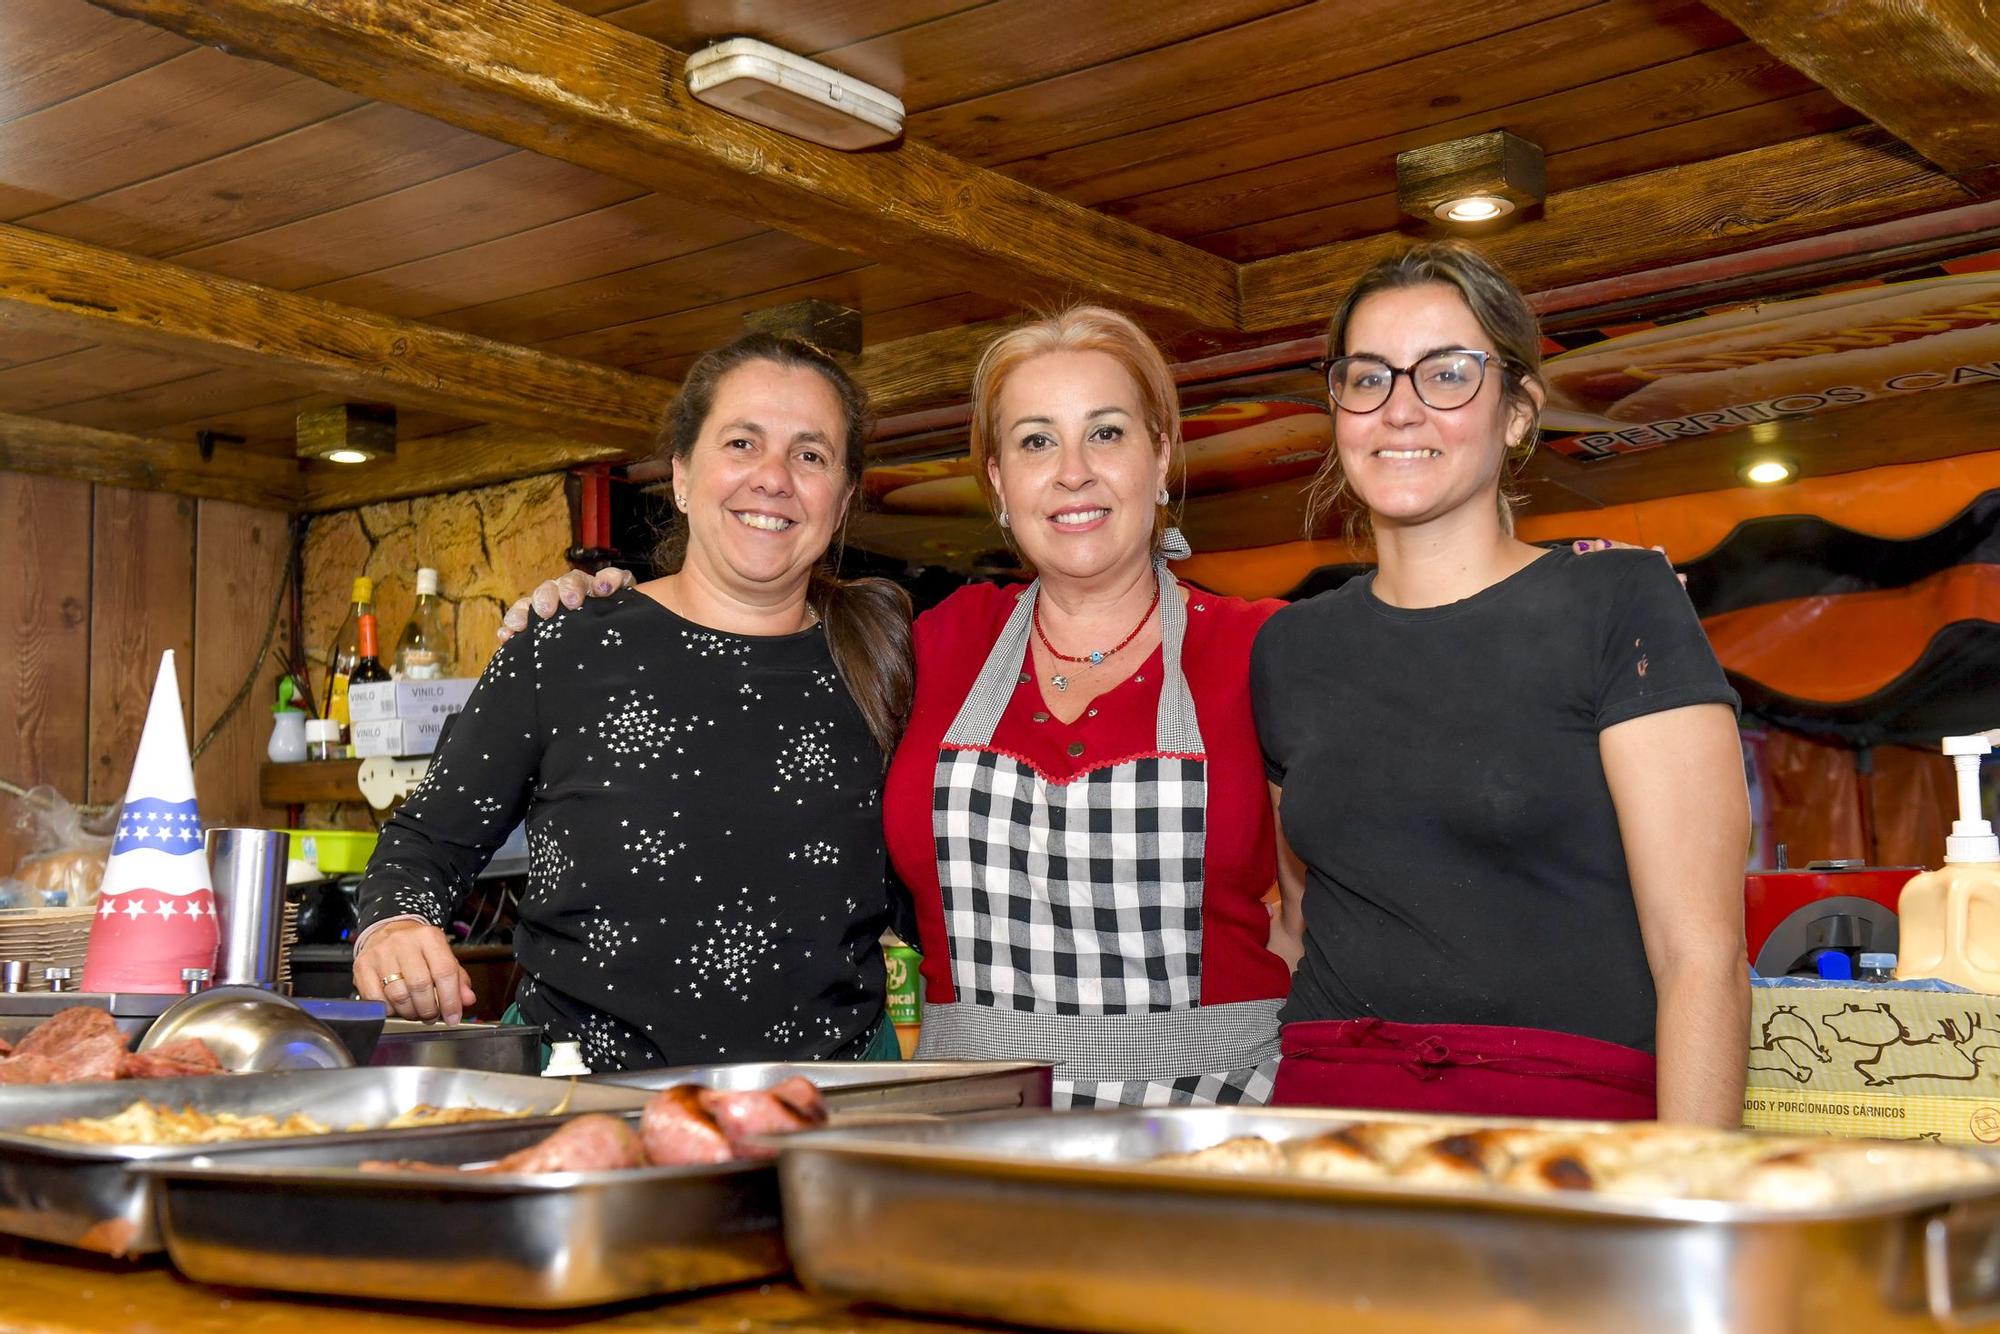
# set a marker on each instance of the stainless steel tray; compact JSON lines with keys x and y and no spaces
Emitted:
{"x":511,"y":1049}
{"x":1055,"y":1220}
{"x":81,"y":1195}
{"x":933,"y":1088}
{"x":301,"y":1217}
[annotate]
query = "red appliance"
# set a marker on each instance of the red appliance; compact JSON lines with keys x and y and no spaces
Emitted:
{"x":1789,"y":916}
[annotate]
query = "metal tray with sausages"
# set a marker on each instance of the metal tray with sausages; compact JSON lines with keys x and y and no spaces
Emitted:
{"x":889,"y":1088}
{"x":82,"y":1195}
{"x":1076,"y":1222}
{"x":306,"y":1217}
{"x":310,"y":1217}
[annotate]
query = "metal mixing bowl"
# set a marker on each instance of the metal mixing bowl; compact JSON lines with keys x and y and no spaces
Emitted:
{"x":249,"y":1028}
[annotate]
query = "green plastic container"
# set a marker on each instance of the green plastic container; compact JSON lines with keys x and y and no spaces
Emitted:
{"x":334,"y":851}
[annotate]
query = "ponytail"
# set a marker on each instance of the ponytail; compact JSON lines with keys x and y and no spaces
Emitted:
{"x":868,"y":630}
{"x":867,"y":620}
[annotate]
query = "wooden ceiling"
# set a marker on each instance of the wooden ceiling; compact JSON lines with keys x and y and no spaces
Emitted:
{"x":507,"y":212}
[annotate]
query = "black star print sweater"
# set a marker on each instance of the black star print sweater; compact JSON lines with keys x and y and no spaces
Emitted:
{"x":706,"y":874}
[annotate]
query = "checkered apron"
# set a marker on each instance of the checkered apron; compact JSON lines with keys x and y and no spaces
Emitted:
{"x":1074,"y":909}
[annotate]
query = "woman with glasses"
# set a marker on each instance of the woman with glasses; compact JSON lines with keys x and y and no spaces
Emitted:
{"x":1511,"y":794}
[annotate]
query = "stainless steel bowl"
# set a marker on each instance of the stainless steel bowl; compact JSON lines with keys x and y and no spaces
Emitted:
{"x":249,"y":1028}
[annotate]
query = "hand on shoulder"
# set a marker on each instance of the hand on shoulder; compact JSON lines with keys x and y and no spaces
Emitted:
{"x":566,"y":590}
{"x":1584,"y":546}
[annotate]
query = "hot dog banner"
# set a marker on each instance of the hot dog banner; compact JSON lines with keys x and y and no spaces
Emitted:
{"x":1623,"y":390}
{"x":156,"y":907}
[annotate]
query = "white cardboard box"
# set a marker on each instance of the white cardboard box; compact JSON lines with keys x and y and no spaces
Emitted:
{"x":376,"y":701}
{"x":395,"y":737}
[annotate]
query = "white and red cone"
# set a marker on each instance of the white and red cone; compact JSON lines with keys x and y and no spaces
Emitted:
{"x":156,"y":908}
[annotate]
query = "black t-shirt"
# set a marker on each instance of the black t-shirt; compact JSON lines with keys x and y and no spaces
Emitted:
{"x":1443,"y":786}
{"x":706,"y":880}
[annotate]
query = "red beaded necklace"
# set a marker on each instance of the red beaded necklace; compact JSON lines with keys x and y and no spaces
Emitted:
{"x":1061,"y":681}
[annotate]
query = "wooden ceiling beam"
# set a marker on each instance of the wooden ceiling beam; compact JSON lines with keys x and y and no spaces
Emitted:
{"x":1927,"y":72}
{"x":49,"y":283}
{"x":1788,"y":190}
{"x":542,"y":76}
{"x":455,"y":461}
{"x":928,"y":370}
{"x":111,"y":458}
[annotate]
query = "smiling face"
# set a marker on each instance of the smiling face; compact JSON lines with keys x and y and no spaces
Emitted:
{"x":1408,"y":463}
{"x":765,"y":481}
{"x":1074,"y":465}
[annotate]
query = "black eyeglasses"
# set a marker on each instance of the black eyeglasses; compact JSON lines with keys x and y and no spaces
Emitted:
{"x":1443,"y":380}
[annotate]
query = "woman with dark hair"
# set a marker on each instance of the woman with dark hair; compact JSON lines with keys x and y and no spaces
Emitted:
{"x":1078,"y":806}
{"x":699,"y":760}
{"x":1511,"y":793}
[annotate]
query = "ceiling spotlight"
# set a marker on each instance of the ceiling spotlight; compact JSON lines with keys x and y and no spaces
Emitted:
{"x":347,"y":433}
{"x":1474,"y":208}
{"x":1769,"y":471}
{"x":788,"y":93}
{"x":1470,"y":180}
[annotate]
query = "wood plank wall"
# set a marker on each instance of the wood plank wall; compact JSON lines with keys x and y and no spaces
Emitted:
{"x":99,"y":580}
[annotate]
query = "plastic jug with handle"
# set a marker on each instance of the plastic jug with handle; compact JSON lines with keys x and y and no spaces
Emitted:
{"x":1950,"y":918}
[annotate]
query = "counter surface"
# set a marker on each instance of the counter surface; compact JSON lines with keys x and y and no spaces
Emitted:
{"x":46,"y":1290}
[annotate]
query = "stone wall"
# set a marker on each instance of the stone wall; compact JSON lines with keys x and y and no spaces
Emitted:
{"x":488,"y":546}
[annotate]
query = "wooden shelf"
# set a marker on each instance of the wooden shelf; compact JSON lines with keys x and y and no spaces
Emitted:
{"x":308,"y":781}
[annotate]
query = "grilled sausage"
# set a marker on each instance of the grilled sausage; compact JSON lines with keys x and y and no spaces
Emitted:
{"x":679,"y":1132}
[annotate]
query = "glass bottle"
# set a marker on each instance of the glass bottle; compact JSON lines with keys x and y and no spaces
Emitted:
{"x":368,"y":662}
{"x":346,"y":649}
{"x":422,"y":653}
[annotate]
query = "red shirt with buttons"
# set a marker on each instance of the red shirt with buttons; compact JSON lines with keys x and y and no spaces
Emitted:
{"x":952,"y":642}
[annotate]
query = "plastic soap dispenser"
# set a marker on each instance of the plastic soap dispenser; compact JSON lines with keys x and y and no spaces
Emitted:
{"x":1949,"y":919}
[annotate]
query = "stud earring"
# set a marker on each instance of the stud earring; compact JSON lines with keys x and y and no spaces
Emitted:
{"x":680,"y":502}
{"x":1005,"y":522}
{"x":1163,"y":495}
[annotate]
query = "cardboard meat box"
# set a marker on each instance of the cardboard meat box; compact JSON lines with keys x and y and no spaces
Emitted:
{"x":1879,"y":1061}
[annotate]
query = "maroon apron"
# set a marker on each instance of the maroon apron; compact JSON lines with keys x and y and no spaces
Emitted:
{"x":1468,"y":1069}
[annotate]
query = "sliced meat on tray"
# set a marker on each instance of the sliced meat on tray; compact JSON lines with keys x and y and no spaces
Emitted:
{"x":65,"y":1027}
{"x":97,"y":1056}
{"x":155,"y":1065}
{"x":82,"y":1043}
{"x":29,"y":1069}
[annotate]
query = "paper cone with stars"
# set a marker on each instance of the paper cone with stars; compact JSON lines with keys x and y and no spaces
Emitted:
{"x":156,"y":908}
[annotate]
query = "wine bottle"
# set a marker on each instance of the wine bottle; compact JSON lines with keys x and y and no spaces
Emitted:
{"x":346,"y":650}
{"x":368,"y":662}
{"x":422,"y":652}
